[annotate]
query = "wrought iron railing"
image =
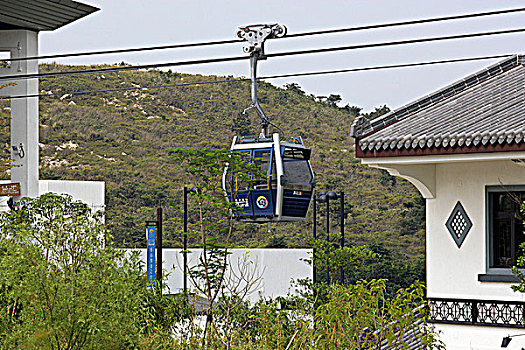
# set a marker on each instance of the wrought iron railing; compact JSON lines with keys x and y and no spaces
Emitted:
{"x":476,"y":312}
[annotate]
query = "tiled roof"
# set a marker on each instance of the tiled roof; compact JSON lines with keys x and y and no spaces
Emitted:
{"x":486,"y":108}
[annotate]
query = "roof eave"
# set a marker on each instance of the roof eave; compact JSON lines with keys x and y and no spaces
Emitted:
{"x":42,"y":15}
{"x":411,"y":152}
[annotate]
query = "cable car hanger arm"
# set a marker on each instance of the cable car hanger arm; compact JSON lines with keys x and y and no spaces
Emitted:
{"x":256,"y":35}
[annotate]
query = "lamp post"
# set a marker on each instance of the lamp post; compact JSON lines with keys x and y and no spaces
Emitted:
{"x":159,"y":248}
{"x":185,"y":239}
{"x":326,"y":197}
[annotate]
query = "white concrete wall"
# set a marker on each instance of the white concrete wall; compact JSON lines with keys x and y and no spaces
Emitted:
{"x":478,"y":338}
{"x":452,"y":272}
{"x":24,"y":111}
{"x":277,"y":268}
{"x":90,"y":192}
{"x":3,"y":199}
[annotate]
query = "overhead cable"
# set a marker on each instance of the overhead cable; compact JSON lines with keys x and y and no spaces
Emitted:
{"x":349,"y":70}
{"x":271,"y":55}
{"x":394,"y":43}
{"x":137,"y":49}
{"x":123,"y":68}
{"x":404,"y":23}
{"x":390,"y":66}
{"x":232,"y":41}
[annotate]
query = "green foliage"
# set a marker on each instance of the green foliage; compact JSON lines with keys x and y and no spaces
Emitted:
{"x":331,"y":259}
{"x":386,"y":264}
{"x":520,"y":264}
{"x":241,"y":125}
{"x":361,"y":316}
{"x":61,"y":287}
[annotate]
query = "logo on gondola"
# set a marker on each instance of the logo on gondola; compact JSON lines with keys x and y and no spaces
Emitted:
{"x":262,"y":202}
{"x":242,"y":202}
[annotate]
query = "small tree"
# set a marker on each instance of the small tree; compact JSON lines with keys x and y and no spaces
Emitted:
{"x":204,"y":168}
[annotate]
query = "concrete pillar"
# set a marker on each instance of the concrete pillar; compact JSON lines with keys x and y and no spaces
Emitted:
{"x":24,"y":111}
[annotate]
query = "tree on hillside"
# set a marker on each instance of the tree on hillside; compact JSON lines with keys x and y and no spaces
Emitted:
{"x":353,"y":110}
{"x":333,"y":100}
{"x":377,"y":112}
{"x":294,"y":87}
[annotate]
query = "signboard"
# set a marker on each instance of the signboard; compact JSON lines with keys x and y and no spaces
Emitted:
{"x":10,"y":190}
{"x":151,"y":235}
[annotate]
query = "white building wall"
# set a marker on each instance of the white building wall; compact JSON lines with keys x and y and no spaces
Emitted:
{"x":452,"y":272}
{"x":278,"y":268}
{"x":460,"y":337}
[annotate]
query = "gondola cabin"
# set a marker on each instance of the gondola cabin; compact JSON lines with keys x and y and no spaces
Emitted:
{"x":285,"y":192}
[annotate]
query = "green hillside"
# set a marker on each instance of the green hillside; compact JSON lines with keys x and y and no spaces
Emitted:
{"x":121,"y":138}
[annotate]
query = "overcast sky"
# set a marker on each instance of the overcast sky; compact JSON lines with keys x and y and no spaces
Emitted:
{"x":135,"y":23}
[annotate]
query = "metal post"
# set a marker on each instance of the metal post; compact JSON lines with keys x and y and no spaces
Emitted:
{"x":185,"y":244}
{"x":328,"y":231}
{"x":315,"y":240}
{"x":159,"y":249}
{"x":474,"y":312}
{"x":342,"y":233}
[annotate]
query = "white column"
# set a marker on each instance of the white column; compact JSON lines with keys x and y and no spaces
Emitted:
{"x":24,"y":111}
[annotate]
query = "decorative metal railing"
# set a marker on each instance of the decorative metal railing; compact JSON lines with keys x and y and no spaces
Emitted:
{"x":476,"y":312}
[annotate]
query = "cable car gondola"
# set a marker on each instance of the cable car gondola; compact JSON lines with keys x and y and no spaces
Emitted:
{"x":284,"y":192}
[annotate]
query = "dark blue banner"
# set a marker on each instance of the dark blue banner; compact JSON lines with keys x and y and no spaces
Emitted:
{"x":151,"y":234}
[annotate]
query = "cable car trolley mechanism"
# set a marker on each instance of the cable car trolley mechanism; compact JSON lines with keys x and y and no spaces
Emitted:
{"x":283,"y":192}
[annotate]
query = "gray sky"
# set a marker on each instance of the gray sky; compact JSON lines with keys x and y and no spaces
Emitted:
{"x":135,"y":23}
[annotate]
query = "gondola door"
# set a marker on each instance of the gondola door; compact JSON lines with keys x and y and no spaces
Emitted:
{"x":264,"y":186}
{"x":239,"y":192}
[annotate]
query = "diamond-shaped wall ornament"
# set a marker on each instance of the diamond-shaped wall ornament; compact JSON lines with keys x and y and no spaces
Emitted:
{"x":458,"y":224}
